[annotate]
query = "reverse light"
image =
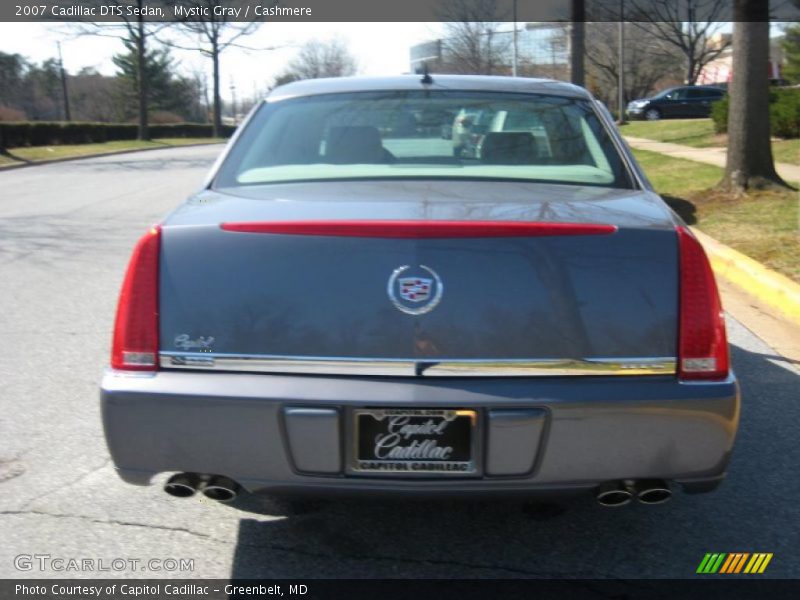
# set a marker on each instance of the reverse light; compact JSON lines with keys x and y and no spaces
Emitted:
{"x":702,"y":343}
{"x":135,"y":346}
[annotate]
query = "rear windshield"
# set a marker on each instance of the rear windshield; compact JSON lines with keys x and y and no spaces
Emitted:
{"x":413,"y":135}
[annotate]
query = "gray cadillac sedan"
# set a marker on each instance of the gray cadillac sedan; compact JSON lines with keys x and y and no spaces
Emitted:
{"x":350,"y":306}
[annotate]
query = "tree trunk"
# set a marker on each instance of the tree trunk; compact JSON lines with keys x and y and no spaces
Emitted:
{"x":577,"y":42}
{"x":217,"y":124}
{"x":621,"y":107}
{"x":141,"y":80}
{"x":750,"y":163}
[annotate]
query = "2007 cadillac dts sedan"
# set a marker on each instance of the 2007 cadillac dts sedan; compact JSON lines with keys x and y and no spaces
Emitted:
{"x":351,"y":304}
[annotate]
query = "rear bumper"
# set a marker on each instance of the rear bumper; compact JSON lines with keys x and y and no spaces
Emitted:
{"x":536,"y":436}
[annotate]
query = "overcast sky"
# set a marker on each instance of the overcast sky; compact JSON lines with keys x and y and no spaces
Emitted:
{"x":381,"y":49}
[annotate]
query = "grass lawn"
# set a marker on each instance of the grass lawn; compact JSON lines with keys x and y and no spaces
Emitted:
{"x":5,"y":160}
{"x":765,"y":225}
{"x":36,"y":153}
{"x":699,"y":133}
{"x":786,"y":151}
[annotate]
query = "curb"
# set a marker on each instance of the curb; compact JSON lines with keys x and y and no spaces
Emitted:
{"x":774,"y":289}
{"x":51,"y":161}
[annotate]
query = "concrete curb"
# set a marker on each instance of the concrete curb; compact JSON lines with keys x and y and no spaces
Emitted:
{"x":774,"y":289}
{"x":51,"y":161}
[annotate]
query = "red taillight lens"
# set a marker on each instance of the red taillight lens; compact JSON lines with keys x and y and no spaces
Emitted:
{"x":421,"y":229}
{"x":135,"y":346}
{"x":703,"y":346}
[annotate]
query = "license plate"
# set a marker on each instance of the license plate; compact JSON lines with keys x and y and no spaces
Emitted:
{"x":413,"y":441}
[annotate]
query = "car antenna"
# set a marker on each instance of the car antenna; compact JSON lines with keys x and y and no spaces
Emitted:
{"x":426,"y":77}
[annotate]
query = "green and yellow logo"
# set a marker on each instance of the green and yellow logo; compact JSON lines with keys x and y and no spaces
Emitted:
{"x":736,"y":562}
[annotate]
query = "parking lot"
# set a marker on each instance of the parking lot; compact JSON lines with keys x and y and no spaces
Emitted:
{"x":66,"y":231}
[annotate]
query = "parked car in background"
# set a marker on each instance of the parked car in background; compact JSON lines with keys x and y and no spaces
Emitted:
{"x":678,"y":102}
{"x":346,"y":307}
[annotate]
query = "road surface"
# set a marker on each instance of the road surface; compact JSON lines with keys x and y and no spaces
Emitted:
{"x":66,"y":231}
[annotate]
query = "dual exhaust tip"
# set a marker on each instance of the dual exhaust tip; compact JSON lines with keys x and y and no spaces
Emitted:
{"x":646,"y":491}
{"x":214,"y":487}
{"x":611,"y":494}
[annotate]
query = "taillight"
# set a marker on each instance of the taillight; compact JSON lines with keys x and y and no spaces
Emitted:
{"x":421,"y":229}
{"x":703,"y":346}
{"x":135,"y":346}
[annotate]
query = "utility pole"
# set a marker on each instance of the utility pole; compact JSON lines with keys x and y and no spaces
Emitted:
{"x":489,"y":61}
{"x":621,"y":66}
{"x":233,"y":101}
{"x":689,"y":79}
{"x":577,"y":34}
{"x":67,"y":116}
{"x":514,"y":56}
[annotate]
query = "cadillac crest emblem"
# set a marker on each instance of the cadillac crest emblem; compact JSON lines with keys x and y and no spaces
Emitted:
{"x":417,"y":292}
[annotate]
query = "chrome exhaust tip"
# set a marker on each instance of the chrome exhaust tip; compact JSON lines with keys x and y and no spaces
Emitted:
{"x":614,"y":493}
{"x":182,"y":485}
{"x":221,"y":489}
{"x":653,"y":491}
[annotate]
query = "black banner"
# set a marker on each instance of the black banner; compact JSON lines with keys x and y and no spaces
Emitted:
{"x":379,"y":10}
{"x":730,"y":588}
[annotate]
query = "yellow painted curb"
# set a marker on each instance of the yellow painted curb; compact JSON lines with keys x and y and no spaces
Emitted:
{"x":774,"y":289}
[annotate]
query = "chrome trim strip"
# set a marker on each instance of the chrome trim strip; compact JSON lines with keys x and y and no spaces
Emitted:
{"x":409,"y":367}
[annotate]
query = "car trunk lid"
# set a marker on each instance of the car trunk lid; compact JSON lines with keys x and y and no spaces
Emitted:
{"x":549,"y":280}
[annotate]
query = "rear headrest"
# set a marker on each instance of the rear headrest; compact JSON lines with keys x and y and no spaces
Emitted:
{"x":354,"y":144}
{"x":509,"y":148}
{"x":298,"y":144}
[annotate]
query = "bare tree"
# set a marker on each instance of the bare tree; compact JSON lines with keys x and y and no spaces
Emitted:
{"x":201,"y":82}
{"x":648,"y":60}
{"x":316,"y":58}
{"x":750,"y":163}
{"x":471,"y":42}
{"x":687,"y":25}
{"x":138,"y":32}
{"x":214,"y":34}
{"x":95,"y":96}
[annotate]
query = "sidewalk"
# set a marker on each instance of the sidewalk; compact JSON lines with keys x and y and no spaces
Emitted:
{"x":22,"y":163}
{"x":712,"y":155}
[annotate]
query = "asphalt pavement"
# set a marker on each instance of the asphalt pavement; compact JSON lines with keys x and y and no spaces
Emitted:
{"x":66,"y":232}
